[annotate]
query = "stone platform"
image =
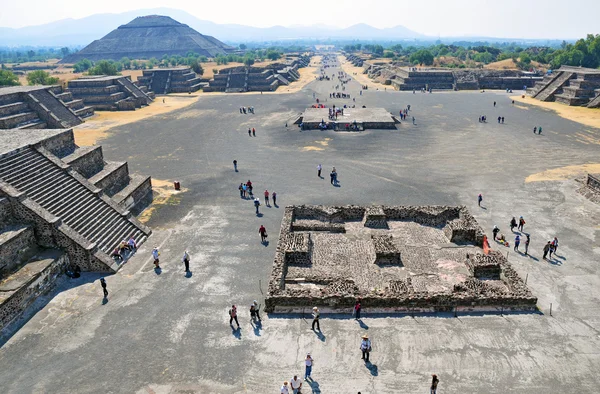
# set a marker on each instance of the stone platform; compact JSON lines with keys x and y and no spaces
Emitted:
{"x":365,"y":118}
{"x":396,"y":258}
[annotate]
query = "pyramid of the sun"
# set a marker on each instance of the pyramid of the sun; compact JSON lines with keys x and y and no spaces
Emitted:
{"x":150,"y":36}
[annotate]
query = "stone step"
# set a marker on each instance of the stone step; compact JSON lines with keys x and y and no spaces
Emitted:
{"x":113,"y":177}
{"x":85,"y":112}
{"x":15,"y":120}
{"x":34,"y":125}
{"x":108,"y":237}
{"x":86,"y":160}
{"x":136,"y":195}
{"x":13,"y":108}
{"x":100,"y":213}
{"x":15,"y":241}
{"x":98,"y":229}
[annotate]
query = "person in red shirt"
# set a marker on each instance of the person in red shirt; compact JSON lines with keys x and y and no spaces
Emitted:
{"x":267,"y":198}
{"x":263,"y":233}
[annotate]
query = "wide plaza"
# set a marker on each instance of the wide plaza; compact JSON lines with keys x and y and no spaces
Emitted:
{"x":169,"y":333}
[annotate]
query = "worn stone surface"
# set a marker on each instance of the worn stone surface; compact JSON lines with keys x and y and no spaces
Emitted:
{"x":422,"y":257}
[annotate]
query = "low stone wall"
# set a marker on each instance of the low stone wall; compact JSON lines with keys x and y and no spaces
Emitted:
{"x":11,"y":247}
{"x":15,"y":304}
{"x":505,"y":290}
{"x":593,"y":181}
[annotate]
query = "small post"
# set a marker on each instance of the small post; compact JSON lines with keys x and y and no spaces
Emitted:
{"x":260,"y":286}
{"x":507,"y":255}
{"x":501,"y":310}
{"x":526,"y":276}
{"x":550,"y":309}
{"x":455,"y":311}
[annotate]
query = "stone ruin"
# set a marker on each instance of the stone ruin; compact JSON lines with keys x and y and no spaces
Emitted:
{"x":110,"y":93}
{"x":591,"y":188}
{"x":171,"y":80}
{"x":403,"y":76}
{"x":60,"y":205}
{"x":40,"y":107}
{"x":395,"y":258}
{"x":571,"y":86}
{"x":257,"y":79}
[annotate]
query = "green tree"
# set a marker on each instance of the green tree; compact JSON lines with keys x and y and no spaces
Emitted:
{"x":8,"y":78}
{"x":273,"y":54}
{"x":104,"y":67}
{"x":248,"y":61}
{"x":243,"y":47}
{"x":126,"y":63}
{"x":197,"y":67}
{"x":65,"y":51}
{"x":82,"y":65}
{"x":422,"y":56}
{"x":40,"y":77}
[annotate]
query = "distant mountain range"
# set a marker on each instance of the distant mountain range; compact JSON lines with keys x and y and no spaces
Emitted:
{"x":80,"y":32}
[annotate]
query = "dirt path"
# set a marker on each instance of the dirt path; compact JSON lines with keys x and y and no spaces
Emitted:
{"x":363,"y":79}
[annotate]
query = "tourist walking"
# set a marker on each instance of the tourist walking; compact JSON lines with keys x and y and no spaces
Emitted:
{"x":413,"y":119}
{"x":266,"y":198}
{"x":253,"y":132}
{"x":527,"y":244}
{"x":365,"y":347}
{"x":256,"y":204}
{"x":555,"y":245}
{"x":155,"y":254}
{"x":316,"y":314}
{"x":513,"y":223}
{"x":540,"y":130}
{"x":479,"y":199}
{"x":235,"y":165}
{"x":495,"y":231}
{"x":103,"y":284}
{"x":242,"y":189}
{"x":521,"y":223}
{"x":249,"y":132}
{"x":263,"y":233}
{"x":308,"y":363}
{"x":274,"y":195}
{"x":296,"y":385}
{"x":186,"y":260}
{"x":551,"y":250}
{"x":233,"y":316}
{"x":547,"y":249}
{"x":434,"y":384}
{"x":319,"y":168}
{"x":284,"y":388}
{"x":517,"y":242}
{"x":256,"y":309}
{"x":357,"y":308}
{"x":132,"y":244}
{"x":534,"y":129}
{"x":494,"y":103}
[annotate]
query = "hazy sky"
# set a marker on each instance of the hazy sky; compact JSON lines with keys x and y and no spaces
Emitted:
{"x":498,"y":18}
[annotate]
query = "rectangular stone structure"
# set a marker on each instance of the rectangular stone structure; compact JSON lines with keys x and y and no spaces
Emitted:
{"x":426,"y":258}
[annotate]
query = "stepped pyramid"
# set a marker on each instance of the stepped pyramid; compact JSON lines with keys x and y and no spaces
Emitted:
{"x":150,"y":36}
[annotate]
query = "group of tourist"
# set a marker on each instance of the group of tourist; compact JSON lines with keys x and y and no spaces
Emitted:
{"x":339,"y":95}
{"x":246,"y":110}
{"x":125,"y":249}
{"x":549,"y":248}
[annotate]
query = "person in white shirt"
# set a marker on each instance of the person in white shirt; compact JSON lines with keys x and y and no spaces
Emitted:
{"x":186,"y":260}
{"x":309,"y":363}
{"x":296,"y":384}
{"x":319,"y":168}
{"x":284,"y":388}
{"x":365,"y":347}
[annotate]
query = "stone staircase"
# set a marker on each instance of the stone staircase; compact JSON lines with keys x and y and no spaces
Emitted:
{"x":595,"y":102}
{"x":63,"y":194}
{"x":33,"y":108}
{"x":77,"y":106}
{"x":548,"y":92}
{"x":158,"y":84}
{"x":135,"y":91}
{"x":67,"y":117}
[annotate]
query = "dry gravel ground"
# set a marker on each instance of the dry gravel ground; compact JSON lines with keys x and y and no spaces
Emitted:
{"x":169,"y":333}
